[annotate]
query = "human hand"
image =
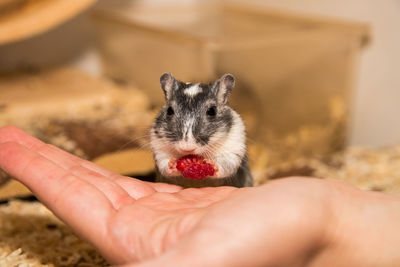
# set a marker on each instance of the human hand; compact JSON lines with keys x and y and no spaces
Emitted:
{"x":290,"y":222}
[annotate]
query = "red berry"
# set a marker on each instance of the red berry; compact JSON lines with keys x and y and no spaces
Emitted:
{"x":180,"y":165}
{"x":195,"y":167}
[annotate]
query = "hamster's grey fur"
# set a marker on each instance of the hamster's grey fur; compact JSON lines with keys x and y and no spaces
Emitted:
{"x":198,"y":120}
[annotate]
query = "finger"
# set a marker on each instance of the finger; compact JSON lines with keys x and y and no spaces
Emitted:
{"x":135,"y":188}
{"x":109,"y":182}
{"x":88,"y":171}
{"x":113,"y":191}
{"x":14,"y":134}
{"x":165,"y":188}
{"x":120,"y":190}
{"x":71,"y":199}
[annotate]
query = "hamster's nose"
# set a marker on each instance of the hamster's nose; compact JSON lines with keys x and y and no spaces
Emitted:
{"x":185,"y":148}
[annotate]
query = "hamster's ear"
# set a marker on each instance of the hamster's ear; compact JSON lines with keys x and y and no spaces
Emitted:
{"x":224,"y":87}
{"x":167,"y":82}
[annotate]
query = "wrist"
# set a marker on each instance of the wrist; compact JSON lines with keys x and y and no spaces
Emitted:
{"x":364,"y":229}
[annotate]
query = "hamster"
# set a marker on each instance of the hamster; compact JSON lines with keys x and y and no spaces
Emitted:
{"x":197,"y":120}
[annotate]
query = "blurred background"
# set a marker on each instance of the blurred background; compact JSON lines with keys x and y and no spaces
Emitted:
{"x":317,"y":87}
{"x":376,"y":91}
{"x":313,"y":78}
{"x":376,"y":83}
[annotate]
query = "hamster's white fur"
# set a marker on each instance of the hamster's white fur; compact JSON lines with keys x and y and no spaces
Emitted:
{"x":225,"y":150}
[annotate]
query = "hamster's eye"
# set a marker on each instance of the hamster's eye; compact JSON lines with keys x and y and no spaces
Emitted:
{"x":211,"y":111}
{"x":170,"y":111}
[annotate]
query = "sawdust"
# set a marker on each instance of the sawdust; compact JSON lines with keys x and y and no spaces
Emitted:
{"x":376,"y":169}
{"x":32,"y":236}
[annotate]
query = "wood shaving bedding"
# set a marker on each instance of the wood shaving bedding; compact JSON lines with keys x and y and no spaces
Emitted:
{"x":32,"y":236}
{"x":367,"y":168}
{"x":84,"y":115}
{"x":376,"y":169}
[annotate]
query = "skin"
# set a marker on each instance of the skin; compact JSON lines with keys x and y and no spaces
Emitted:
{"x":288,"y":222}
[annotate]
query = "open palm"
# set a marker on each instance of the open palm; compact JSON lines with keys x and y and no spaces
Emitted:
{"x":134,"y":221}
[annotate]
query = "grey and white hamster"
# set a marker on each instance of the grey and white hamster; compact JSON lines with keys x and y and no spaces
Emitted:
{"x":197,"y":119}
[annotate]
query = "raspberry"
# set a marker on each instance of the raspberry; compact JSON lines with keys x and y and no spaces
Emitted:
{"x":194,"y":167}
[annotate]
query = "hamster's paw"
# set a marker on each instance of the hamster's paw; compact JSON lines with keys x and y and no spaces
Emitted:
{"x":172,"y":163}
{"x":215,"y":167}
{"x":172,"y":170}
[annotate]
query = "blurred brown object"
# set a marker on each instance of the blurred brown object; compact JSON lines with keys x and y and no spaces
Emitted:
{"x":84,"y":115}
{"x":21,"y":19}
{"x":13,"y":189}
{"x":294,"y":73}
{"x":128,"y":162}
{"x":9,"y":5}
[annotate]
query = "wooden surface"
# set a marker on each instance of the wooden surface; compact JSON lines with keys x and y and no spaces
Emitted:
{"x":32,"y":17}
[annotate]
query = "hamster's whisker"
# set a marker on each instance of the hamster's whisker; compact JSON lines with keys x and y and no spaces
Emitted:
{"x":252,"y":141}
{"x":216,"y":145}
{"x":145,"y":146}
{"x":143,"y":137}
{"x":227,"y":153}
{"x":166,"y":144}
{"x":209,"y":154}
{"x":213,"y":148}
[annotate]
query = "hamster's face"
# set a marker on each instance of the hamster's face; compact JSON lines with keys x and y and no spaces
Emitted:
{"x":197,"y":120}
{"x":193,"y":121}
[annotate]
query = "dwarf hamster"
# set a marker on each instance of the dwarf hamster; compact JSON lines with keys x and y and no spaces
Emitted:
{"x":197,"y":119}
